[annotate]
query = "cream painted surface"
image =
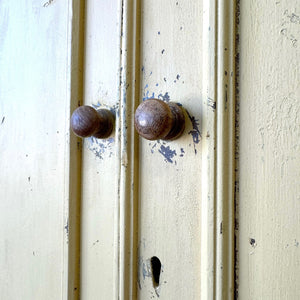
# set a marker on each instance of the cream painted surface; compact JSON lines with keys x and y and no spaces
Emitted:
{"x":100,"y":168}
{"x":269,"y":164}
{"x":35,"y":44}
{"x":170,"y":172}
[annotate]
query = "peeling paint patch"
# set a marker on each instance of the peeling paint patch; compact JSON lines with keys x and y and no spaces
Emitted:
{"x":101,"y":147}
{"x":164,"y":97}
{"x":168,"y":153}
{"x":146,"y":93}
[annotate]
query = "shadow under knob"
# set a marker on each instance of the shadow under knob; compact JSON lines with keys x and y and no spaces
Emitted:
{"x":87,"y":121}
{"x":156,"y":119}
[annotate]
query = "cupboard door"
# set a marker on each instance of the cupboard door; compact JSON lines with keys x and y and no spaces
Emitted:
{"x":156,"y":220}
{"x":36,"y":79}
{"x":269,"y":143}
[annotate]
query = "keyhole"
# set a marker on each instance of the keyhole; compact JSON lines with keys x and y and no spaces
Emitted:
{"x":155,"y":268}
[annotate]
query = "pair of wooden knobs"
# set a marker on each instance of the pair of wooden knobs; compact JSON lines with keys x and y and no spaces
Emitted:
{"x":154,"y":119}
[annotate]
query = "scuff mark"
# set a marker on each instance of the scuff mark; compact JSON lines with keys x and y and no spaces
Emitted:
{"x":96,"y":242}
{"x":168,"y":153}
{"x":46,"y":4}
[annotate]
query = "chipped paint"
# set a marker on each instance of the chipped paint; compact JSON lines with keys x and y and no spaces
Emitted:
{"x":167,"y":153}
{"x":101,"y":148}
{"x":195,"y":132}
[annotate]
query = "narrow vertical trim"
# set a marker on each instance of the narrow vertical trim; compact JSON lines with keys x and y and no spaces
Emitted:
{"x":225,"y":150}
{"x":217,"y":233}
{"x":128,"y":145}
{"x":208,"y":205}
{"x":73,"y":194}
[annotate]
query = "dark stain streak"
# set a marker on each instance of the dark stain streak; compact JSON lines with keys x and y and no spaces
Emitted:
{"x":167,"y":153}
{"x":2,"y":120}
{"x":28,"y":178}
{"x":221,"y":228}
{"x":162,"y":51}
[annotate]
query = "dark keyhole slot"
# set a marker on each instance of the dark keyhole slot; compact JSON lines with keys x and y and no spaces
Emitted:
{"x":155,"y":268}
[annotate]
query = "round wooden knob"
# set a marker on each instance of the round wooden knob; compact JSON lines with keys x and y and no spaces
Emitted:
{"x":87,"y":121}
{"x":156,"y":119}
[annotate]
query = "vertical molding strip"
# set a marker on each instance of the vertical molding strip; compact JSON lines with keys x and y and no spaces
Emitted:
{"x":73,"y":166}
{"x":217,"y":232}
{"x":128,"y":145}
{"x":208,"y":204}
{"x":225,"y":149}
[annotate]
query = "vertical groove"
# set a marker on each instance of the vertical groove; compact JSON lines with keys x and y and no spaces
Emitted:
{"x":237,"y":134}
{"x":129,"y":92}
{"x":76,"y":95}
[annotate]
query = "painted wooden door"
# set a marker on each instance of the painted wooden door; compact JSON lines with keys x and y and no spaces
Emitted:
{"x":93,"y":218}
{"x":157,"y":217}
{"x":128,"y":218}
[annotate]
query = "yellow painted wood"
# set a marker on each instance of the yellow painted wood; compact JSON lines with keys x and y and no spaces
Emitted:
{"x":100,"y":158}
{"x":269,"y":144}
{"x":35,"y":79}
{"x":170,"y":172}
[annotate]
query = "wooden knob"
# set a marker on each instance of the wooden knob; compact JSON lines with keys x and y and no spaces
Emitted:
{"x":156,"y":119}
{"x":87,"y":121}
